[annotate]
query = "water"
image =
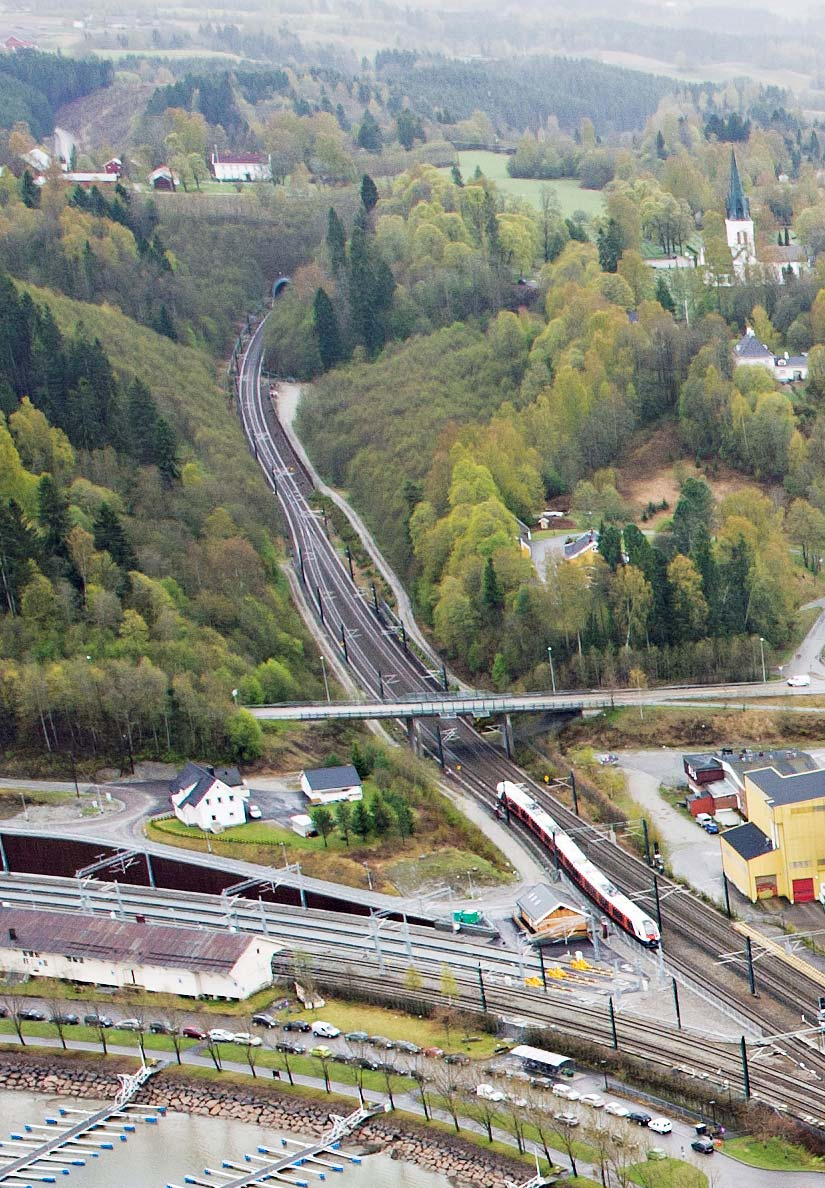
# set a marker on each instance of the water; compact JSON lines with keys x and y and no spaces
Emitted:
{"x":181,"y":1144}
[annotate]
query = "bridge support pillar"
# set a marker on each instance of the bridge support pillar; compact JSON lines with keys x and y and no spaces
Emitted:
{"x":412,"y":735}
{"x":507,"y":735}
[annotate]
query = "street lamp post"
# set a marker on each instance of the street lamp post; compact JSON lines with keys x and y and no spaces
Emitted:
{"x":762,"y":652}
{"x":74,"y":774}
{"x":369,"y":875}
{"x":324,"y":671}
{"x":552,"y":670}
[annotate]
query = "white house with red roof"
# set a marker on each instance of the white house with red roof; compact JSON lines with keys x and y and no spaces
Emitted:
{"x":243,"y":167}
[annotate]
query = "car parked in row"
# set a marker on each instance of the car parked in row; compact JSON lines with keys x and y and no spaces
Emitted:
{"x":325,"y":1030}
{"x":357,"y":1037}
{"x":219,"y":1035}
{"x":594,"y":1100}
{"x":31,"y":1015}
{"x":104,"y":1021}
{"x":297,"y":1025}
{"x":64,"y":1018}
{"x":489,"y":1093}
{"x":660,"y":1125}
{"x":639,"y":1117}
{"x":617,"y":1110}
{"x":158,"y":1027}
{"x":130,"y":1025}
{"x":268,"y":1021}
{"x":567,"y":1119}
{"x":247,"y":1038}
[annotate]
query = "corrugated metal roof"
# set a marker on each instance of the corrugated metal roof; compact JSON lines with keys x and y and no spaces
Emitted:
{"x":71,"y":934}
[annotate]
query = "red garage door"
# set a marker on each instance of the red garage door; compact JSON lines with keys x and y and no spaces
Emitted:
{"x":803,"y":890}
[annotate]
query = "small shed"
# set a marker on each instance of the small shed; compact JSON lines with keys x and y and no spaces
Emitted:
{"x":163,"y":178}
{"x":325,"y":785}
{"x":540,"y":911}
{"x":703,"y":769}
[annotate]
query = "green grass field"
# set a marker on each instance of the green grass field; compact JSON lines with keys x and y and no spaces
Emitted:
{"x":774,"y":1154}
{"x":570,"y":194}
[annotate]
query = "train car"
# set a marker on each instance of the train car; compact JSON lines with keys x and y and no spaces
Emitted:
{"x":575,"y":863}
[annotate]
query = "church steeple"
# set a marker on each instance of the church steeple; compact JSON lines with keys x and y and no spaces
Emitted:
{"x":737,"y":207}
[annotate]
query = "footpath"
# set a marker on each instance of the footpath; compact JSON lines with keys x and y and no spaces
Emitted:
{"x":267,"y":1102}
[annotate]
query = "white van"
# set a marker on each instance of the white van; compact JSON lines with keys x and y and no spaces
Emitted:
{"x":800,"y":682}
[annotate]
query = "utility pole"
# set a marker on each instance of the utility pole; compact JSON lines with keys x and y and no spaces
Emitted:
{"x":746,"y":1080}
{"x":613,"y":1023}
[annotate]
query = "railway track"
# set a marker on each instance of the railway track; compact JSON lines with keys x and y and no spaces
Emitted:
{"x":696,"y":938}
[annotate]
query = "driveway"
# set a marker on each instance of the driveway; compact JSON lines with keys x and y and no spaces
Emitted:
{"x":693,"y":854}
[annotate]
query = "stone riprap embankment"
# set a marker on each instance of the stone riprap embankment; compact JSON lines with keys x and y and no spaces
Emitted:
{"x":265,"y":1105}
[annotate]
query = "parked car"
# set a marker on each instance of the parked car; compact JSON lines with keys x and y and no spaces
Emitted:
{"x":130,"y":1025}
{"x":703,"y":1145}
{"x":65,"y":1018}
{"x":342,"y":1058}
{"x":357,"y":1037}
{"x":567,"y":1119}
{"x":456,"y":1058}
{"x":286,"y":1046}
{"x":253,"y":811}
{"x":268,"y":1021}
{"x":157,"y":1027}
{"x":711,"y":827}
{"x":219,"y":1035}
{"x":247,"y":1038}
{"x":98,"y":1021}
{"x":433,"y":1053}
{"x":193,"y":1033}
{"x":297,"y":1025}
{"x":704,"y":819}
{"x":609,"y":760}
{"x":321,"y":1051}
{"x":656,"y":1153}
{"x":561,"y":1091}
{"x":799,"y":682}
{"x":381,"y":1041}
{"x":639,"y":1117}
{"x":325,"y":1030}
{"x":368,"y":1063}
{"x":31,"y":1015}
{"x":489,"y":1093}
{"x":660,"y":1125}
{"x":618,"y":1111}
{"x":595,"y":1100}
{"x":408,"y":1048}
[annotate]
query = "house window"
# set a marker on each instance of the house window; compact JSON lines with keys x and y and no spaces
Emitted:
{"x":30,"y":953}
{"x":77,"y":960}
{"x":214,"y":818}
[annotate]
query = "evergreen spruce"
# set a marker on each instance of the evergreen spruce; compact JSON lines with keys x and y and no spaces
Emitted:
{"x":336,"y":242}
{"x":369,"y":193}
{"x":326,"y":330}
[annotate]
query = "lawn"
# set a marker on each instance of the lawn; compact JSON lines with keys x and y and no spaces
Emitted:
{"x":774,"y":1153}
{"x":376,"y":1020}
{"x":668,"y":1173}
{"x":570,"y":194}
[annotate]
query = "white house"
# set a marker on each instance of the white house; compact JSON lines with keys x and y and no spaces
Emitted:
{"x":208,"y":797}
{"x":157,"y":957}
{"x":247,"y":167}
{"x":325,"y":785}
{"x":750,"y":352}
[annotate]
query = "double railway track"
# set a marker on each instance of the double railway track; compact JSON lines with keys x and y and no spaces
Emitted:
{"x":698,"y":941}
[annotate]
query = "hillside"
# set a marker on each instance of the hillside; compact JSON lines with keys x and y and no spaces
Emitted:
{"x":137,"y":542}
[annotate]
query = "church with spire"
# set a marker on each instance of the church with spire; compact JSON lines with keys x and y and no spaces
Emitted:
{"x":739,"y":224}
{"x":784,"y":260}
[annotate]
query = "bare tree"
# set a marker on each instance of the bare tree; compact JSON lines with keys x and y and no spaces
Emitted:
{"x":13,"y":1005}
{"x":625,"y":1151}
{"x":419,"y":1075}
{"x":537,"y":1116}
{"x":448,"y":1087}
{"x":566,"y":1134}
{"x":516,"y":1107}
{"x":483,"y":1111}
{"x":55,"y":1010}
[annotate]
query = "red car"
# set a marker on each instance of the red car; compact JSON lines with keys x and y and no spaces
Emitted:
{"x":193,"y":1033}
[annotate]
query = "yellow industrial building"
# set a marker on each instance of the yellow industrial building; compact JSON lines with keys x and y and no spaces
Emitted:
{"x":781,"y":849}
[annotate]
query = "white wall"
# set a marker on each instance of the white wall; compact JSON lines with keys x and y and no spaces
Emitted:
{"x":251,"y":972}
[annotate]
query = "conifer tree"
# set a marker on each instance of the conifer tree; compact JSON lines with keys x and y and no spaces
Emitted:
{"x":326,"y":330}
{"x":53,"y":516}
{"x":369,"y":193}
{"x":336,"y":242}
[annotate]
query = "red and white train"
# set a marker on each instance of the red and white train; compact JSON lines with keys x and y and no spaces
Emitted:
{"x":593,"y":882}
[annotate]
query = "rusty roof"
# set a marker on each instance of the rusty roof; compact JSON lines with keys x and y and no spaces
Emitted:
{"x":72,"y":934}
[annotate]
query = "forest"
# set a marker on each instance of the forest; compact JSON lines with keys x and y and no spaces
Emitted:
{"x":34,"y":85}
{"x":137,"y":586}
